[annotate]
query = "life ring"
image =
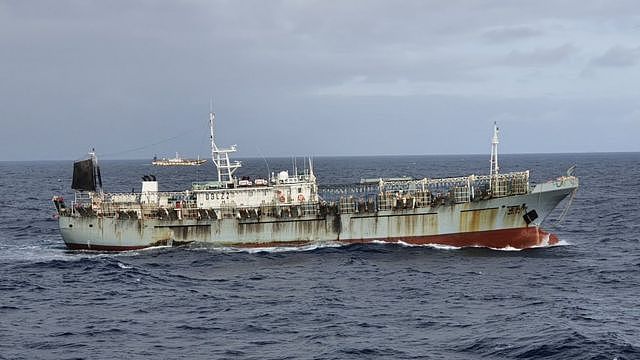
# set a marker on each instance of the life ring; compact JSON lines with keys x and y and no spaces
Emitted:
{"x":282,"y":198}
{"x":300,"y":198}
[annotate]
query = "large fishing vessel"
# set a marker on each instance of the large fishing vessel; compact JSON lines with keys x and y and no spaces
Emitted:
{"x":498,"y":210}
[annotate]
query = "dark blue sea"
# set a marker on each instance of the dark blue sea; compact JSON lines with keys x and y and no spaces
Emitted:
{"x":579,"y":300}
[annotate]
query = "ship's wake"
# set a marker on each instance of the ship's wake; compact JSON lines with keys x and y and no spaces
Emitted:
{"x":263,"y":249}
{"x":322,"y":245}
{"x":405,"y":244}
{"x":544,"y":244}
{"x":36,"y":253}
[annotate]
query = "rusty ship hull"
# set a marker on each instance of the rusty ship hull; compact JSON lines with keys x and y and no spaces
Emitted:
{"x":495,"y":223}
{"x":498,"y":210}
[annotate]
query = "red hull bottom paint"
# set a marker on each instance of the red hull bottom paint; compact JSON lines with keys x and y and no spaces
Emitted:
{"x":520,"y":238}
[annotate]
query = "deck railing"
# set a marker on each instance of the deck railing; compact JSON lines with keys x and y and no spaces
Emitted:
{"x":394,"y":194}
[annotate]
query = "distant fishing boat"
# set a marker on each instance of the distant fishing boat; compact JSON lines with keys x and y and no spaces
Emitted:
{"x":177,"y":161}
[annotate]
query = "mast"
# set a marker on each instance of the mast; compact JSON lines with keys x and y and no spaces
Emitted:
{"x":220,"y":156}
{"x":212,"y":116}
{"x":312,"y":176}
{"x":494,"y":168}
{"x":96,"y":171}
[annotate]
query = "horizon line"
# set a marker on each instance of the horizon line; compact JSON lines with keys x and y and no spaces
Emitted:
{"x":357,"y":155}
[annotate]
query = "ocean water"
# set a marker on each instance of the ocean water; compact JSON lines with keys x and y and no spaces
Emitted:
{"x":579,"y":300}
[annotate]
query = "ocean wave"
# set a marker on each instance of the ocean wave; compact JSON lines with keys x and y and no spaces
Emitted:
{"x":264,"y":249}
{"x":385,"y":299}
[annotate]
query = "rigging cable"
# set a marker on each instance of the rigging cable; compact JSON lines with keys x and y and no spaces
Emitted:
{"x":566,"y":208}
{"x":146,"y":146}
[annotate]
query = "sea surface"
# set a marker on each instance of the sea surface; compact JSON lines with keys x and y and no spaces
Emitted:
{"x":579,"y":300}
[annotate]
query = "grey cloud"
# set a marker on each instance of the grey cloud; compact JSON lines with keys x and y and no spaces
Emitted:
{"x":132,"y":69}
{"x":539,"y":57}
{"x":506,"y":34}
{"x":618,"y":56}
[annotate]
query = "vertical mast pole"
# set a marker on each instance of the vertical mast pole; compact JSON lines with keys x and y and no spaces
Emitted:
{"x":214,"y":148}
{"x":212,"y":116}
{"x":494,"y":168}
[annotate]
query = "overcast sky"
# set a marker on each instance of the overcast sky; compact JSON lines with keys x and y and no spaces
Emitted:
{"x":317,"y":77}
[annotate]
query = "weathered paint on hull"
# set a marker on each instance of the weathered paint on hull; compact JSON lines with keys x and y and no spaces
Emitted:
{"x":495,"y":223}
{"x":521,"y":238}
